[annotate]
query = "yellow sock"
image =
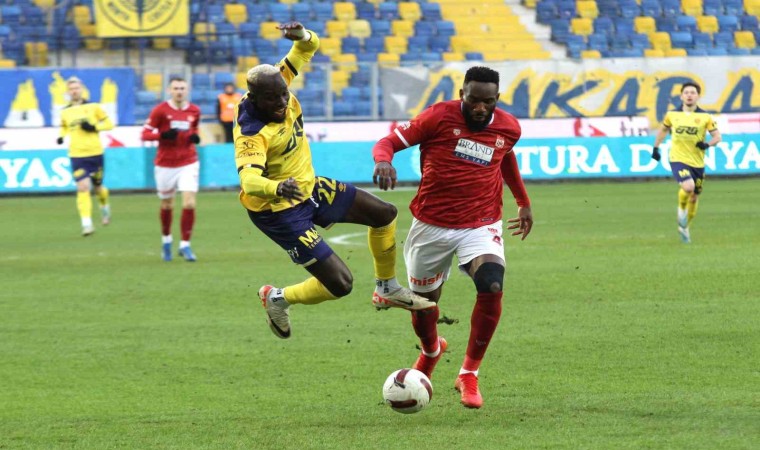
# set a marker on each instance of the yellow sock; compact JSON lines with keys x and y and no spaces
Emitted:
{"x":683,"y":198}
{"x":382,"y":245}
{"x":692,"y":209}
{"x":310,"y":292}
{"x":103,"y":196}
{"x":84,"y":205}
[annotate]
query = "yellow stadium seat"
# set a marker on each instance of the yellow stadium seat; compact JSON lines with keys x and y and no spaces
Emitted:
{"x":336,"y":28}
{"x":752,"y":7}
{"x":339,"y":80}
{"x":241,"y":80}
{"x":87,"y":30}
{"x":329,"y":46}
{"x":289,"y":2}
{"x":153,"y":82}
{"x":461,"y":44}
{"x":388,"y":59}
{"x":345,"y":62}
{"x":44,"y":3}
{"x":204,"y":32}
{"x":653,"y":53}
{"x":692,"y":7}
{"x":452,"y":56}
{"x":396,"y":44}
{"x":587,"y":8}
{"x":359,"y":28}
{"x":36,"y":53}
{"x":344,"y":10}
{"x":269,"y":30}
{"x":81,"y":15}
{"x":644,"y":25}
{"x":675,"y":52}
{"x":660,"y":40}
{"x":246,"y":62}
{"x":403,"y":28}
{"x":375,"y":2}
{"x":93,"y":44}
{"x":744,"y":39}
{"x":707,"y":24}
{"x":7,"y":63}
{"x":236,"y":13}
{"x":529,"y":3}
{"x":409,"y":11}
{"x":162,"y":43}
{"x":582,"y":26}
{"x":591,"y":54}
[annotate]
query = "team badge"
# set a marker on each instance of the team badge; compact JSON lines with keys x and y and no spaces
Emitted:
{"x":499,"y":142}
{"x":457,"y":131}
{"x":697,"y":121}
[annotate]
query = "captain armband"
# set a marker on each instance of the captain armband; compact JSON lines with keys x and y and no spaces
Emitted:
{"x":250,"y":166}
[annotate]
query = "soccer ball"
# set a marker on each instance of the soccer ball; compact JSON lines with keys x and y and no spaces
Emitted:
{"x":407,"y":391}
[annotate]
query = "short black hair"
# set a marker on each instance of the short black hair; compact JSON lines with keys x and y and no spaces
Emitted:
{"x":692,"y":84}
{"x":176,"y":78}
{"x":482,"y":74}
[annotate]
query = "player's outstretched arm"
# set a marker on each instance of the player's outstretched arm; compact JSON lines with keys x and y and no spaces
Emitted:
{"x":523,"y":223}
{"x":294,"y":31}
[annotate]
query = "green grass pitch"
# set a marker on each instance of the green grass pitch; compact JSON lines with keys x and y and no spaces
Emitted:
{"x":614,"y":334}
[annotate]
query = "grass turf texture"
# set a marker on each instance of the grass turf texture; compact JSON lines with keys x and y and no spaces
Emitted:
{"x":614,"y":334}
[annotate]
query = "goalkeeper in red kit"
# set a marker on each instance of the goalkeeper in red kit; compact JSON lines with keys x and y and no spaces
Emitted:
{"x":466,"y":156}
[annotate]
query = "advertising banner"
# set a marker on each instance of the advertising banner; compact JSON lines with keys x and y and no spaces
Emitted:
{"x":32,"y":98}
{"x":135,"y":18}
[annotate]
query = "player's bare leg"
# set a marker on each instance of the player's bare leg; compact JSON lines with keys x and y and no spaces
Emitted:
{"x":380,"y":217}
{"x":84,"y":205}
{"x":186,"y":225}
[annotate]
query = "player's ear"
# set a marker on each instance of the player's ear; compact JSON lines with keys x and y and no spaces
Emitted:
{"x":497,"y":96}
{"x":461,"y":94}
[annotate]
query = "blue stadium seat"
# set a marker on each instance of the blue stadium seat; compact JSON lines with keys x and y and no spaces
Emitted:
{"x":717,"y":51}
{"x":146,"y":98}
{"x":604,"y":25}
{"x":623,"y":25}
{"x":366,"y":11}
{"x":749,"y":23}
{"x":560,"y":30}
{"x":712,"y":7}
{"x":640,"y":41}
{"x":351,"y":94}
{"x":546,"y":11}
{"x":630,"y":10}
{"x":440,"y":43}
{"x":756,"y":51}
{"x":431,"y":11}
{"x":411,"y":57}
{"x":301,"y":11}
{"x":282,"y":47}
{"x":445,"y":28}
{"x":226,"y":32}
{"x":317,"y":26}
{"x":733,"y":7}
{"x":11,"y":14}
{"x":681,"y":39}
{"x":387,"y":10}
{"x":607,"y":8}
{"x":728,"y":23}
{"x":322,"y":11}
{"x":214,"y":13}
{"x":249,"y":30}
{"x":702,"y":40}
{"x":566,"y":9}
{"x":423,"y":28}
{"x":5,"y":32}
{"x":620,"y":41}
{"x":201,"y":81}
{"x":599,"y":42}
{"x":575,"y":45}
{"x":671,"y":8}
{"x":697,"y":52}
{"x":686,"y":23}
{"x":473,"y":56}
{"x":666,"y":24}
{"x":419,"y":43}
{"x":739,"y":51}
{"x":279,"y":12}
{"x":651,"y":8}
{"x":350,"y":44}
{"x":431,"y":57}
{"x":367,"y":56}
{"x":343,"y":108}
{"x":363,"y":108}
{"x":380,"y":27}
{"x":222,"y":78}
{"x":374,"y":44}
{"x":33,"y":15}
{"x":723,"y":39}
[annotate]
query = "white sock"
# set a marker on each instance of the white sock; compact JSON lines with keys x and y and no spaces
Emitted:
{"x":386,"y":286}
{"x":86,"y":222}
{"x":435,"y":353}
{"x":682,"y":213}
{"x":183,"y":244}
{"x":166,"y":239}
{"x":462,"y":372}
{"x":280,"y":292}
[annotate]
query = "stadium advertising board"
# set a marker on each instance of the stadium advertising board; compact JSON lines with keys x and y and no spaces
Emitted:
{"x":646,"y":87}
{"x":539,"y":159}
{"x":31,"y":98}
{"x":135,"y":18}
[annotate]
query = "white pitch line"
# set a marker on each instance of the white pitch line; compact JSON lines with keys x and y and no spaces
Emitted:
{"x":346,"y":239}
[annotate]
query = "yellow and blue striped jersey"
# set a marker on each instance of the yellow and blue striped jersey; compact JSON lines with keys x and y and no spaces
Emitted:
{"x":268,"y":153}
{"x":84,"y":143}
{"x":687,"y":129}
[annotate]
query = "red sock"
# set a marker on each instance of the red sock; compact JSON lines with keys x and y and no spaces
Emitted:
{"x":166,"y":222}
{"x":188,"y":218}
{"x":425,"y":323}
{"x":485,"y":317}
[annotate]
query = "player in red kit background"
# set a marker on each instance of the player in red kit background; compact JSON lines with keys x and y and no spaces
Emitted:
{"x":174,"y":124}
{"x":466,"y":155}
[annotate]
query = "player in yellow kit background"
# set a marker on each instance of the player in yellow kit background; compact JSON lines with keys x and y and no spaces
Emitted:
{"x":688,"y":127}
{"x":82,"y":121}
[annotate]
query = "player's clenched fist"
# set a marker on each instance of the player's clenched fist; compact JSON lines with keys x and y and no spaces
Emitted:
{"x":292,"y":30}
{"x":384,"y":175}
{"x":289,"y":189}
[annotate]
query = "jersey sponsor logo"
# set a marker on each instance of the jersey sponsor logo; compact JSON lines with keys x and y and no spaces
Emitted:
{"x":296,"y":137}
{"x":426,"y":281}
{"x":683,"y":173}
{"x":474,"y":152}
{"x":182,"y":125}
{"x":310,"y":238}
{"x":405,"y":125}
{"x":250,"y":154}
{"x":457,"y":131}
{"x":687,"y":130}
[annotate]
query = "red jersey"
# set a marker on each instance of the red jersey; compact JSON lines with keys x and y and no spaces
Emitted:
{"x":462,"y":170}
{"x":179,"y":151}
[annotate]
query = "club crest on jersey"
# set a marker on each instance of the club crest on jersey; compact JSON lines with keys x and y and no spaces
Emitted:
{"x":457,"y":131}
{"x":499,"y":142}
{"x":474,"y":152}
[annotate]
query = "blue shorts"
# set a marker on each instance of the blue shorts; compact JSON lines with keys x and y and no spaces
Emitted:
{"x":293,"y":228}
{"x":88,"y":167}
{"x":683,"y":172}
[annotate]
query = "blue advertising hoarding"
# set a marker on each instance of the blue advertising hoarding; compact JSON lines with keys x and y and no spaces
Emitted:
{"x":39,"y":171}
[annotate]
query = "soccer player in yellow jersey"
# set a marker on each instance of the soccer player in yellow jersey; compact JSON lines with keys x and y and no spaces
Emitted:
{"x":688,"y":127}
{"x":82,"y":121}
{"x":285,"y":200}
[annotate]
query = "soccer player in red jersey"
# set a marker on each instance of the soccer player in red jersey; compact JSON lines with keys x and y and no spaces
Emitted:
{"x":466,"y":151}
{"x":174,"y":124}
